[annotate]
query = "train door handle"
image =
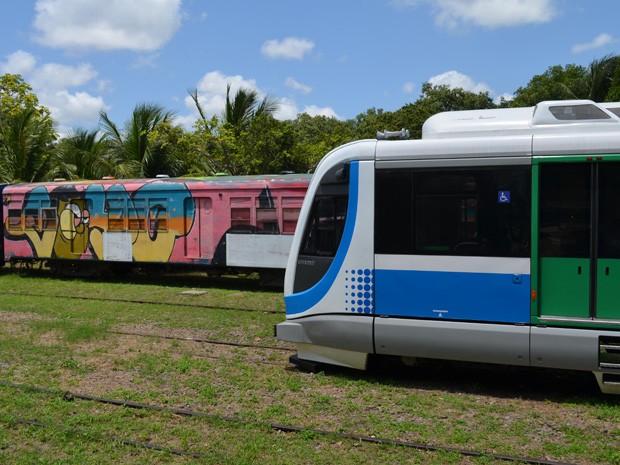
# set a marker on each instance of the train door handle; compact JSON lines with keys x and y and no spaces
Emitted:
{"x":578,"y":270}
{"x":606,"y":271}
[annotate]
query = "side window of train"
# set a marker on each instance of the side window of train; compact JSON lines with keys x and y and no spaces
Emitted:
{"x":31,"y":218}
{"x":48,"y":219}
{"x":325,"y":226}
{"x":137,"y":215}
{"x":467,"y":212}
{"x":15,"y":219}
{"x":116,"y":214}
{"x":291,"y":206}
{"x":267,"y":218}
{"x":158,"y":215}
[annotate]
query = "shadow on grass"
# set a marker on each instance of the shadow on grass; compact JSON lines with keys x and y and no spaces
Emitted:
{"x":557,"y":386}
{"x":158,"y":277}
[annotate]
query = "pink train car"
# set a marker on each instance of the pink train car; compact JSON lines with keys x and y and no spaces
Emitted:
{"x":239,"y":223}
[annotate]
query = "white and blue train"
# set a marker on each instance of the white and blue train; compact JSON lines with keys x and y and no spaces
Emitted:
{"x":495,"y":238}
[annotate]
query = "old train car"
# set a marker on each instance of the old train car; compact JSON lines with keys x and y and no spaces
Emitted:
{"x":2,"y":186}
{"x":242,"y":223}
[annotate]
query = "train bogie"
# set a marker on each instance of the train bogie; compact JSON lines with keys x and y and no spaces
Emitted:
{"x":492,"y":239}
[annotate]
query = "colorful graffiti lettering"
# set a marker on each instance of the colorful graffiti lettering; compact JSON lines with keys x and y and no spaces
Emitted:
{"x":119,"y":222}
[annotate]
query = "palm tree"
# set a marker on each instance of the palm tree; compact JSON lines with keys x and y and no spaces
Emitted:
{"x":130,"y":149}
{"x":26,"y":150}
{"x":84,"y":155}
{"x":600,"y":76}
{"x":245,"y":106}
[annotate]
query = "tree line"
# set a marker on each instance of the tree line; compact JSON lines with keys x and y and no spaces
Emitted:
{"x":246,"y":138}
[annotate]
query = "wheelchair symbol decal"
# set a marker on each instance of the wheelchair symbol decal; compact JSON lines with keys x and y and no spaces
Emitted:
{"x":503,"y":197}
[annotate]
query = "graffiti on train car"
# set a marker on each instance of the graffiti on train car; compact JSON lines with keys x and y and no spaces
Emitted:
{"x":118,"y":222}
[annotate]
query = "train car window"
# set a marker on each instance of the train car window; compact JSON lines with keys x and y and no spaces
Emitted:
{"x":325,"y":226}
{"x":267,"y":221}
{"x":116,"y":214}
{"x":14,"y":219}
{"x":158,"y":215}
{"x":565,"y":211}
{"x":469,"y":212}
{"x":48,"y":219}
{"x":31,"y":218}
{"x":290,"y":216}
{"x":137,"y":215}
{"x":240,"y":218}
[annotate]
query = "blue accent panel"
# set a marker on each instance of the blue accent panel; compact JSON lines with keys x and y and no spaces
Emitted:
{"x":503,"y":298}
{"x":302,"y":301}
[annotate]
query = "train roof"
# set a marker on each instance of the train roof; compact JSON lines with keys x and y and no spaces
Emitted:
{"x":219,"y":182}
{"x":549,"y":117}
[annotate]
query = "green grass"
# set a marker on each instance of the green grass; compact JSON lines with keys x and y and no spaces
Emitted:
{"x":65,"y":344}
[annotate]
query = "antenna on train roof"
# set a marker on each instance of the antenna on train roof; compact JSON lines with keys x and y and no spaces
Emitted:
{"x":403,"y":134}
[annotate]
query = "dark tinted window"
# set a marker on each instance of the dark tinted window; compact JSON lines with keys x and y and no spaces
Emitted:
{"x":475,"y":212}
{"x":565,"y":210}
{"x":609,"y":213}
{"x":325,"y":226}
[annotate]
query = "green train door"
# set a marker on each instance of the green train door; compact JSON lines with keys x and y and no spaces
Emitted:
{"x":579,"y":239}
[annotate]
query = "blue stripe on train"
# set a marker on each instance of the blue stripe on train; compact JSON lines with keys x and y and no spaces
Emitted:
{"x":503,"y":298}
{"x":302,"y":301}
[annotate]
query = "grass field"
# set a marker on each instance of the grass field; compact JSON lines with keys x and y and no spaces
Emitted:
{"x":80,"y":336}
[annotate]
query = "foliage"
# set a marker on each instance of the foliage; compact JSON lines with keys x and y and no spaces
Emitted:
{"x":83,"y":154}
{"x":241,"y":110}
{"x":26,"y":133}
{"x":26,"y":147}
{"x":317,"y":135}
{"x":130,"y":151}
{"x":246,"y":138}
{"x":599,"y":82}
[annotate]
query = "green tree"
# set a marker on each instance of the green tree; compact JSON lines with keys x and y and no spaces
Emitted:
{"x":602,"y":77}
{"x":599,"y":82}
{"x":266,"y":146}
{"x":130,"y":150}
{"x":315,"y":136}
{"x":437,"y":99}
{"x":84,"y":154}
{"x":245,"y":106}
{"x":26,"y":148}
{"x":557,"y":83}
{"x":26,"y":133}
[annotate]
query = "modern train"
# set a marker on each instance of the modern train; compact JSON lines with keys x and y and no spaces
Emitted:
{"x":218,"y":224}
{"x":495,"y":238}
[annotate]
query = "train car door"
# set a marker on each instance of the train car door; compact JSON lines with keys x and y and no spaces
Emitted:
{"x":578,"y":234}
{"x":199,"y":239}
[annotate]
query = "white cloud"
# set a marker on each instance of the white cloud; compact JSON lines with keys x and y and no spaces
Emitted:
{"x":505,"y":97}
{"x":313,"y":110}
{"x":291,"y":48}
{"x":487,"y":13}
{"x":19,"y":62}
{"x":599,"y":41}
{"x":212,"y":92}
{"x":55,"y":76}
{"x":51,"y":83}
{"x":287,"y":110}
{"x":212,"y":98}
{"x":408,"y":87}
{"x":141,"y":25}
{"x":454,"y":79}
{"x":294,"y":84}
{"x":79,"y":106}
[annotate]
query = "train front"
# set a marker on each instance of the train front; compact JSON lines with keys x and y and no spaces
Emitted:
{"x":329,"y":276}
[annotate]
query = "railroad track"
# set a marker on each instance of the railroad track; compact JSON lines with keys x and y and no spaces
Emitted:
{"x":210,"y":342}
{"x":286,"y":428}
{"x":145,"y":302}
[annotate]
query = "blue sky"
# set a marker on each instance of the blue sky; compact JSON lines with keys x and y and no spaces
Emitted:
{"x":330,"y":57}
